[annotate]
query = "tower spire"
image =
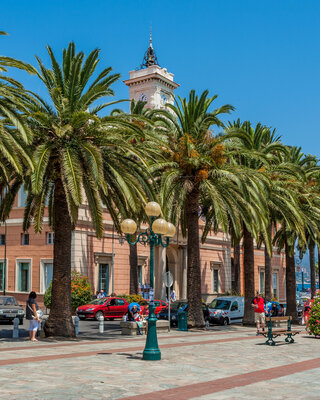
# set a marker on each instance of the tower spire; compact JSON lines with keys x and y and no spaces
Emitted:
{"x":150,"y":39}
{"x":150,"y":57}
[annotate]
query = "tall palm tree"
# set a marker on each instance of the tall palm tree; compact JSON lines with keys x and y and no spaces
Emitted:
{"x":257,"y":152}
{"x":78,"y":157}
{"x":139,"y":116}
{"x":196,"y":173}
{"x":311,"y":170}
{"x":14,"y":132}
{"x":286,"y":237}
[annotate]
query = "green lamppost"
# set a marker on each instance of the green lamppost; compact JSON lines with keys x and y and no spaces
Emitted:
{"x":152,"y":236}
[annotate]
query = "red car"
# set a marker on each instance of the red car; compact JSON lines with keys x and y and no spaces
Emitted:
{"x":109,"y":307}
{"x":160,"y":305}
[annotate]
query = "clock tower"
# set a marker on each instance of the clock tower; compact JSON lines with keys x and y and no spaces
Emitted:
{"x":151,"y":83}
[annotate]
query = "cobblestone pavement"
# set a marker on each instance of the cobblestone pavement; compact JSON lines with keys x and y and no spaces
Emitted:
{"x":222,"y":363}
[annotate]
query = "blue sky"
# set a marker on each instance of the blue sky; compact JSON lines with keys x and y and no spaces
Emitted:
{"x":261,"y":56}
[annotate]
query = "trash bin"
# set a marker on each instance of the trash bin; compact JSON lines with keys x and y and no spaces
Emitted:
{"x":182,"y":321}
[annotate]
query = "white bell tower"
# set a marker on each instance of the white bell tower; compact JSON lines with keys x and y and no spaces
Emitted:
{"x":151,"y":83}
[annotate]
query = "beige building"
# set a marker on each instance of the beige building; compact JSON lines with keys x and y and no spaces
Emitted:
{"x":106,"y":261}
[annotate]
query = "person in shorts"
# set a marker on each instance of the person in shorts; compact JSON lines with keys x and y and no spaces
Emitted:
{"x":258,"y":304}
{"x":31,"y":315}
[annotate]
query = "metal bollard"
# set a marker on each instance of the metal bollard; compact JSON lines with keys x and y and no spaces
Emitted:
{"x":101,"y":324}
{"x":15,"y":333}
{"x":76,"y":325}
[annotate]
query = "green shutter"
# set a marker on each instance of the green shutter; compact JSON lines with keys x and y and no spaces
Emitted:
{"x":23,"y":277}
{"x":1,"y":275}
{"x":140,"y":274}
{"x":104,"y":277}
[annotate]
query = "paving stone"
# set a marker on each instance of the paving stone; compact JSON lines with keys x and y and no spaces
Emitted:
{"x":114,"y":369}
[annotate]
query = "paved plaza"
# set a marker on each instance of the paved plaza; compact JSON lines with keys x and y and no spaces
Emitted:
{"x":220,"y":363}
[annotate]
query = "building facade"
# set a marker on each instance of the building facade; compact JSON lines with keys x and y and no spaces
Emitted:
{"x":29,"y":256}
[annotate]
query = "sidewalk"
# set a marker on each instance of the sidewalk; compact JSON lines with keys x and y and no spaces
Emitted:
{"x":223,"y":363}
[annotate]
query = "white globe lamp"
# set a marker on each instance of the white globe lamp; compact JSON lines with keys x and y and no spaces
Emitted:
{"x":160,"y":226}
{"x":153,"y":209}
{"x":128,"y":226}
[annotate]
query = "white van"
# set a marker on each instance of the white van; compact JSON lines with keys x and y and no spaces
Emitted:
{"x":227,"y":309}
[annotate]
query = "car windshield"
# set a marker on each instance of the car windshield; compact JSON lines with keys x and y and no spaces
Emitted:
{"x":220,"y":304}
{"x":99,"y":302}
{"x":8,"y":301}
{"x":177,"y":305}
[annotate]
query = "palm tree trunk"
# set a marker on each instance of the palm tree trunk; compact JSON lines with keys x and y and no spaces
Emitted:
{"x":291,"y":285}
{"x":312,"y":267}
{"x":59,"y":322}
{"x":248,"y":260}
{"x":267,"y":269}
{"x":134,"y":289}
{"x":236,"y":265}
{"x":319,"y":265}
{"x":195,"y":314}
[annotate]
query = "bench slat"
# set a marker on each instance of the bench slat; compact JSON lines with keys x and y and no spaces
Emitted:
{"x":279,"y":318}
{"x":275,"y":333}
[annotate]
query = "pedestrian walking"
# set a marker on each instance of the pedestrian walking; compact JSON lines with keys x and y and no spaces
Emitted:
{"x":32,"y":316}
{"x":258,"y":303}
{"x":173,"y":296}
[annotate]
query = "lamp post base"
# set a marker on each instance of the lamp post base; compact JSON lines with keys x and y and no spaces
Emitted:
{"x":151,"y":351}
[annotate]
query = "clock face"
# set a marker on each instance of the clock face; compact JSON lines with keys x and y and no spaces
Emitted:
{"x":164,"y":98}
{"x":143,"y":97}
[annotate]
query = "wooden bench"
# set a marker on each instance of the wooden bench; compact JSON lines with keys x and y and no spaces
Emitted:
{"x":275,"y":332}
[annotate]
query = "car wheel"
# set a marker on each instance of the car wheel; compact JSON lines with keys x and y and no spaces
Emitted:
{"x":21,"y":321}
{"x":82,"y":318}
{"x":98,"y":315}
{"x":225,"y":321}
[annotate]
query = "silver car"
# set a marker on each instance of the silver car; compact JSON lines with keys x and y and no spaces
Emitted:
{"x":10,"y":309}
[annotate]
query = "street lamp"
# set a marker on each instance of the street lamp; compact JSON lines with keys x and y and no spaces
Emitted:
{"x":152,"y":236}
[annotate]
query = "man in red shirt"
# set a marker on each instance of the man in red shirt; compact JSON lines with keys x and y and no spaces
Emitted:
{"x":259,"y":316}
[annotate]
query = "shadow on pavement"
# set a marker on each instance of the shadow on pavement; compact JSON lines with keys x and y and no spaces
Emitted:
{"x":131,"y":356}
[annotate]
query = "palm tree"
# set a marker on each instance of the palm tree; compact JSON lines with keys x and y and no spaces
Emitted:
{"x":196,"y":172}
{"x":311,"y":170}
{"x":14,"y":132}
{"x":307,"y":222}
{"x":139,"y":116}
{"x":78,"y":157}
{"x":312,"y":262}
{"x":257,"y":152}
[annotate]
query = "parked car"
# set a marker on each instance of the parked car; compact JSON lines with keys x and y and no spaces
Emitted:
{"x":227,"y":309}
{"x":159,"y":304}
{"x":175,"y":308}
{"x":10,"y":309}
{"x":108,"y":307}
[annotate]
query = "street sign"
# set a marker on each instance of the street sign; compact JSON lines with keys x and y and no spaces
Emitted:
{"x":168,"y":279}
